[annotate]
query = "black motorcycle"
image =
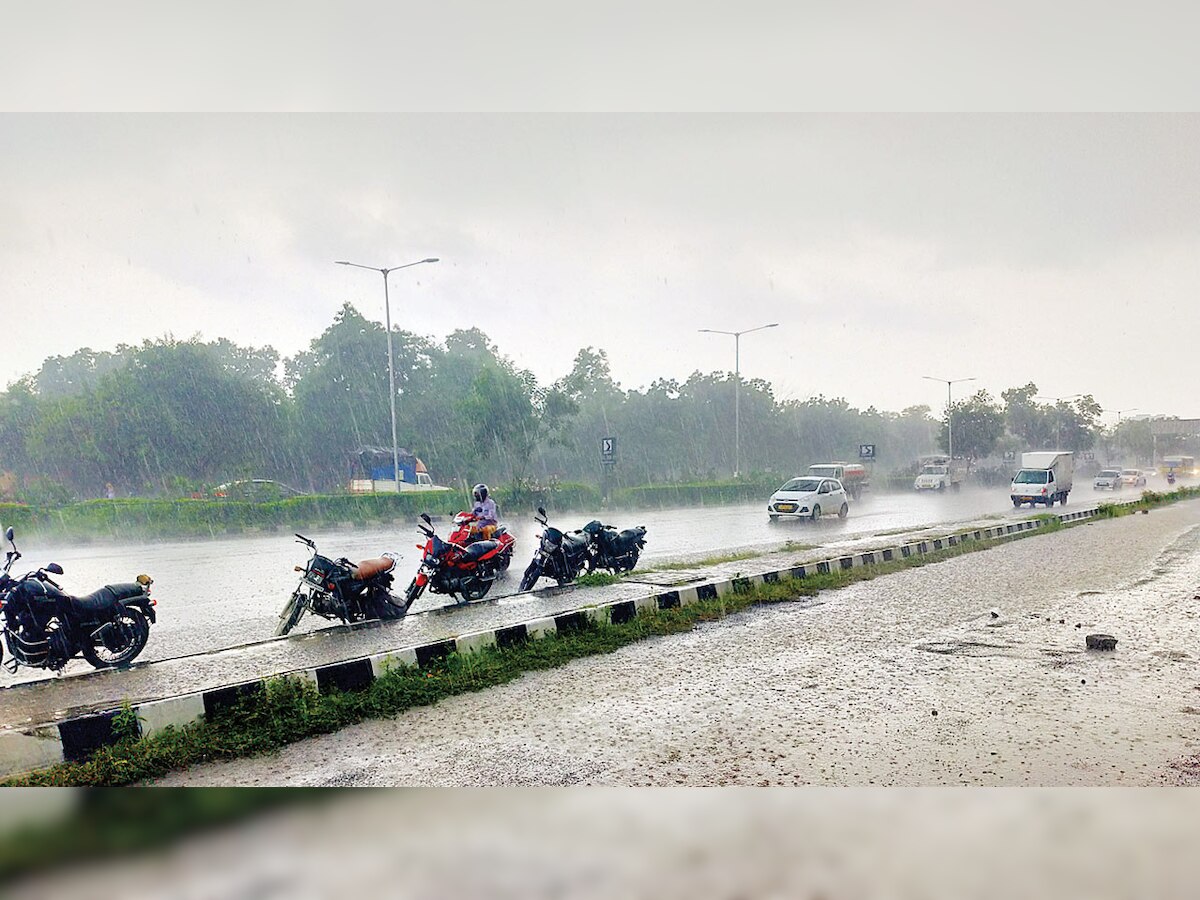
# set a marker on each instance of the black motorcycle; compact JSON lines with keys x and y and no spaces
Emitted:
{"x":559,"y":556}
{"x":340,"y":589}
{"x":614,"y":550}
{"x":45,"y":628}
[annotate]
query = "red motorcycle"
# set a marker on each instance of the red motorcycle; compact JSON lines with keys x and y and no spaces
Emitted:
{"x":461,"y":565}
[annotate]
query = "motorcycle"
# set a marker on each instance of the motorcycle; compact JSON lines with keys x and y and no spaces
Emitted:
{"x":467,"y":532}
{"x":454,"y":567}
{"x":559,"y":556}
{"x":45,"y":628}
{"x":1170,"y":478}
{"x":340,"y":589}
{"x":614,"y":550}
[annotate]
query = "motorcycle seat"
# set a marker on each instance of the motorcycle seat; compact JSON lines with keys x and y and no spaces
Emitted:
{"x":369,"y":568}
{"x":107,"y":597}
{"x":575,"y":538}
{"x":480,"y":548}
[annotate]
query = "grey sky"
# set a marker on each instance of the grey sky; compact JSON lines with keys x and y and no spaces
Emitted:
{"x":1055,"y":248}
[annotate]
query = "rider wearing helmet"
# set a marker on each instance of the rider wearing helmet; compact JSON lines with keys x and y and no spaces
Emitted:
{"x":486,"y":516}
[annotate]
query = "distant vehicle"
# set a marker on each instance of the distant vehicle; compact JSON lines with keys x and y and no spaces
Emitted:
{"x":1133,"y":477}
{"x":852,"y":476}
{"x":939,"y":473}
{"x":257,"y":489}
{"x":808,"y":497}
{"x":1045,"y":477}
{"x":372,"y":471}
{"x":1108,"y":480}
{"x":1181,"y":466}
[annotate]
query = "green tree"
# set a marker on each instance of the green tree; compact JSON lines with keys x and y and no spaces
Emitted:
{"x":978,"y":425}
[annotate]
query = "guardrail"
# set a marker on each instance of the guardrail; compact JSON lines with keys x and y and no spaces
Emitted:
{"x":75,"y":739}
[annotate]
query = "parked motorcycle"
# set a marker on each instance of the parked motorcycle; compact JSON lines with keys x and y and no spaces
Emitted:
{"x":559,"y":556}
{"x":453,"y":567}
{"x":340,"y":589}
{"x":45,"y":628}
{"x":614,"y":550}
{"x":1171,"y":477}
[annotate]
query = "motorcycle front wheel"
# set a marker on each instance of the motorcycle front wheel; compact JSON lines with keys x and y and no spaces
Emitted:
{"x":529,"y":579}
{"x":413,"y":591}
{"x":291,"y":615}
{"x":127,"y":636}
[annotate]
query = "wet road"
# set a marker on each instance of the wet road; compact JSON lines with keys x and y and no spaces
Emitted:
{"x":215,"y":594}
{"x":215,"y":597}
{"x":906,"y":680}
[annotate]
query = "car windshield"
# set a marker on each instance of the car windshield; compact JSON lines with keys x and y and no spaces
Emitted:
{"x":802,"y":484}
{"x":1108,"y":473}
{"x":1030,"y":476}
{"x":935,"y":470}
{"x":823,"y":471}
{"x":1130,"y":472}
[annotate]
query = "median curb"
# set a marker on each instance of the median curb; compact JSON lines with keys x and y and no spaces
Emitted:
{"x":74,"y":740}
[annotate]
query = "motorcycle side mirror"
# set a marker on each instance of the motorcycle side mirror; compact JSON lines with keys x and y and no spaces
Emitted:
{"x":54,"y":569}
{"x":10,"y":534}
{"x":425,"y":518}
{"x":542,"y":510}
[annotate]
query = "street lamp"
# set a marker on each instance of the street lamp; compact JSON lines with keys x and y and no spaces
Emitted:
{"x":1058,"y":400}
{"x":387,"y":309}
{"x":948,"y":382}
{"x":1119,"y":411}
{"x":737,"y":389}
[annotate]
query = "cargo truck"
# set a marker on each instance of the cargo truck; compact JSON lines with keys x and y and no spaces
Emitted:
{"x":939,"y":473}
{"x":1045,"y":477}
{"x":854,"y":477}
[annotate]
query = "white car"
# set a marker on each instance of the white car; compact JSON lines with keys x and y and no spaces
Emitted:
{"x":1108,"y":480}
{"x":809,"y":497}
{"x":1134,"y":477}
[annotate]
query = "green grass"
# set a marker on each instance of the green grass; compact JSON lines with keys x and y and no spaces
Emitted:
{"x":598,"y":579}
{"x":709,"y":561}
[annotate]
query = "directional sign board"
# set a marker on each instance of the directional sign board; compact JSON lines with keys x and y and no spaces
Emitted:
{"x":866,"y":451}
{"x":608,"y":450}
{"x":1010,"y":455}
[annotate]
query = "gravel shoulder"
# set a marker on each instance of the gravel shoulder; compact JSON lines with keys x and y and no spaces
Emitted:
{"x":905,"y":680}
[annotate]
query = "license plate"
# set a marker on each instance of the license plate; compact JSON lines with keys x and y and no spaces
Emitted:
{"x":786,"y":507}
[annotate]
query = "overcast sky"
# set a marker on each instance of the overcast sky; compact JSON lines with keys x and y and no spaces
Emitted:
{"x":1060,"y":249}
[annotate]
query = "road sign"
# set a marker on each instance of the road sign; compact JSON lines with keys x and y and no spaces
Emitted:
{"x":866,"y":451}
{"x":1010,"y":455}
{"x":1088,"y":455}
{"x":608,"y":450}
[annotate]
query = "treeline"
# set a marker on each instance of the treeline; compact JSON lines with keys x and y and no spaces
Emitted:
{"x":172,"y":417}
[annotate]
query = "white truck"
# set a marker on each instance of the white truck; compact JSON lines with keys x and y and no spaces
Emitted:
{"x":939,"y":473}
{"x":1045,"y":476}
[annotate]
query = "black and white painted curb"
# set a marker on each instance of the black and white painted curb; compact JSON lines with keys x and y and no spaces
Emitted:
{"x":74,"y":740}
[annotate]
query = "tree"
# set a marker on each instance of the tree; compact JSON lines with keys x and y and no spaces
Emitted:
{"x":978,"y":425}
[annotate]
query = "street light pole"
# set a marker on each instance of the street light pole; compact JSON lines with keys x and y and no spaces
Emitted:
{"x":949,"y":414}
{"x":387,"y":312}
{"x":737,"y":389}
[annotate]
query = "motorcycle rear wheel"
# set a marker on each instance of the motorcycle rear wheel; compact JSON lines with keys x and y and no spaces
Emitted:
{"x":135,"y":631}
{"x":290,"y":616}
{"x":477,"y":591}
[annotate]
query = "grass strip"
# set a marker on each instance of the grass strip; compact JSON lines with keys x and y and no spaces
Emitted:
{"x":291,"y":709}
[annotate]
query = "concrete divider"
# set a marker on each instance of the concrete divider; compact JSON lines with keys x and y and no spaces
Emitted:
{"x":75,"y":739}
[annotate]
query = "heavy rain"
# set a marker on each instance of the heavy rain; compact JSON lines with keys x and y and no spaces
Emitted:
{"x":554,"y":329}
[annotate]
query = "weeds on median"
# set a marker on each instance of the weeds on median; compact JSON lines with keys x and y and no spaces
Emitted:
{"x":287,"y":709}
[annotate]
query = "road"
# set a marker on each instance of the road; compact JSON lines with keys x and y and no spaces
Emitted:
{"x":185,"y":655}
{"x":905,"y":680}
{"x":214,"y":594}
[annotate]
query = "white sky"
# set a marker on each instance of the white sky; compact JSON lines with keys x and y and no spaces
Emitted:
{"x":1058,"y":248}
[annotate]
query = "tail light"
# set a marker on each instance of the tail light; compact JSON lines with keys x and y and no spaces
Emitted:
{"x":1043,"y":490}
